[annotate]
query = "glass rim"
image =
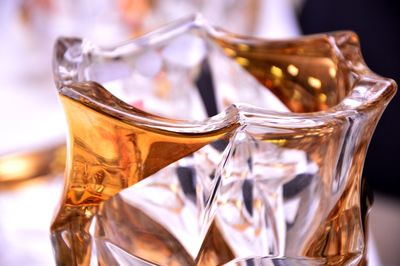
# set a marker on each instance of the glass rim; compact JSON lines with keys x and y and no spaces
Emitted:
{"x":360,"y":99}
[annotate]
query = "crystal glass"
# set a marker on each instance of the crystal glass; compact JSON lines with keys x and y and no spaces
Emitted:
{"x":195,"y":146}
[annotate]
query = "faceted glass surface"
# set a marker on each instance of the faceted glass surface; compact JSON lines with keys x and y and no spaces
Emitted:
{"x":194,"y":146}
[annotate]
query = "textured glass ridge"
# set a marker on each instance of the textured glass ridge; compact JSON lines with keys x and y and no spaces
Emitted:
{"x":195,"y":146}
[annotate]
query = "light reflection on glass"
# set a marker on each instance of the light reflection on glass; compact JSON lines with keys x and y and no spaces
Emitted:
{"x":322,"y":97}
{"x":292,"y":70}
{"x":276,"y":71}
{"x":332,"y":72}
{"x":242,"y":61}
{"x":14,"y":167}
{"x":314,"y":82}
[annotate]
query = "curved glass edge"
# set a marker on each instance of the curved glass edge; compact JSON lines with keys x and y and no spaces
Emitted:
{"x":367,"y":88}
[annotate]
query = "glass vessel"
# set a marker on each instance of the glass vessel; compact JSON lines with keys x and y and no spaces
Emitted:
{"x":195,"y":146}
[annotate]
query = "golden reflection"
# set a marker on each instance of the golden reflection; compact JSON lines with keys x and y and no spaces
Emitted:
{"x":229,"y":52}
{"x":13,"y":168}
{"x":276,"y":71}
{"x":18,"y":167}
{"x":332,"y":72}
{"x":258,"y":204}
{"x":292,"y":70}
{"x":239,"y":204}
{"x":243,"y":47}
{"x":314,"y":82}
{"x":242,"y":61}
{"x":279,"y":142}
{"x":322,"y":97}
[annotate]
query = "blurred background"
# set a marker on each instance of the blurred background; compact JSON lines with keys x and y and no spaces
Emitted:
{"x":32,"y":130}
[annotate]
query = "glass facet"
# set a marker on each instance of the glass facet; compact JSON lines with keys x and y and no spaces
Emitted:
{"x":195,"y":146}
